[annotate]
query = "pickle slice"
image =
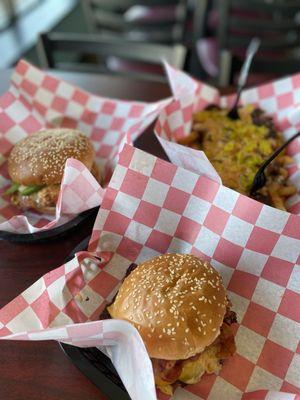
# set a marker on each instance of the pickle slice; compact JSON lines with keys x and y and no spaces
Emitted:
{"x":30,"y":190}
{"x":13,"y":189}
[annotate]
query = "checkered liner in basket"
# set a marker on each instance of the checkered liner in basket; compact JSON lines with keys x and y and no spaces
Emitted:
{"x":152,"y":207}
{"x":36,"y":100}
{"x":280,"y":99}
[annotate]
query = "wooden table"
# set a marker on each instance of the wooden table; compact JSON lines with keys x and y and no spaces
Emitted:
{"x":40,"y":371}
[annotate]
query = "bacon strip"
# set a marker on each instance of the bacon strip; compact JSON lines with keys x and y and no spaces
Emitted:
{"x":169,"y":371}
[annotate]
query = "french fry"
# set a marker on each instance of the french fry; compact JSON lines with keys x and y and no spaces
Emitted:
{"x":287,"y":191}
{"x":188,"y":139}
{"x":286,"y":160}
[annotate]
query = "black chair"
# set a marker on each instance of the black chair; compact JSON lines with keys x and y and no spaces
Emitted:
{"x":200,"y":10}
{"x":196,"y":29}
{"x":108,"y":55}
{"x":129,"y":18}
{"x":276,"y":22}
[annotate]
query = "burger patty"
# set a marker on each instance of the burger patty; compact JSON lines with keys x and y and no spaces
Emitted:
{"x":46,"y":198}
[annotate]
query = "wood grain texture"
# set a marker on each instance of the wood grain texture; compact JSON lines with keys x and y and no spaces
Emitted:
{"x":40,"y":370}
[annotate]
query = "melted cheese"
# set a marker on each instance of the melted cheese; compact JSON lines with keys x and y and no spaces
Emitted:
{"x":163,"y":386}
{"x":208,"y":362}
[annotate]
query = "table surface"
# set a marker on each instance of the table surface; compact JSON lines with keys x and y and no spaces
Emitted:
{"x":40,"y":370}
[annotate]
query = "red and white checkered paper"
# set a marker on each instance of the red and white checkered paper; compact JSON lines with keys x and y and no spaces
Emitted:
{"x":151,"y":207}
{"x":280,"y":99}
{"x":36,"y":100}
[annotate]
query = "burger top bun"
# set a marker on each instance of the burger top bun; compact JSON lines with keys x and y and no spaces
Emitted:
{"x":176,"y":301}
{"x":40,"y":159}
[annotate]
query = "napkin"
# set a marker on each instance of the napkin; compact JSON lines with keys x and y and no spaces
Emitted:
{"x":279,"y":99}
{"x":151,"y":207}
{"x":36,"y":100}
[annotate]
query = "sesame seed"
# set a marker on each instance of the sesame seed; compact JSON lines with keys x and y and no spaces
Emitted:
{"x":174,"y":283}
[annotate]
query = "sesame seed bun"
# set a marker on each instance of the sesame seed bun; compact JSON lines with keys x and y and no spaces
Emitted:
{"x":176,"y":301}
{"x":40,"y":158}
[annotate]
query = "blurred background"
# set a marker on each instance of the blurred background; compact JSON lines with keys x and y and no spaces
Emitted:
{"x":207,"y":38}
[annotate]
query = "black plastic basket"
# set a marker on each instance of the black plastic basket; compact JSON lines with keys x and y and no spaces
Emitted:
{"x":54,"y":233}
{"x":94,"y":364}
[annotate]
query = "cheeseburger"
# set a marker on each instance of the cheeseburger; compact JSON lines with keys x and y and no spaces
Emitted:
{"x":36,"y":166}
{"x":179,"y":306}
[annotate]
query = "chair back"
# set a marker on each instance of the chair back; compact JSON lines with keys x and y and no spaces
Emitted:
{"x":141,"y":60}
{"x":275,"y":22}
{"x":158,"y":21}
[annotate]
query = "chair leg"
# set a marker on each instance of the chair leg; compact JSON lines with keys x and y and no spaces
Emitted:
{"x":201,"y":8}
{"x":225,"y":73}
{"x":88,"y":15}
{"x":42,"y":53}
